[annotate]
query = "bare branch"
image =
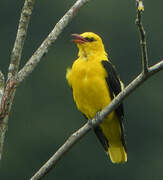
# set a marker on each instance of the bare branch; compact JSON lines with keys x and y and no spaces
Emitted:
{"x":44,"y":47}
{"x":7,"y":98}
{"x":20,"y":38}
{"x":140,"y":9}
{"x":5,"y":107}
{"x":13,"y":78}
{"x":9,"y":89}
{"x":75,"y":137}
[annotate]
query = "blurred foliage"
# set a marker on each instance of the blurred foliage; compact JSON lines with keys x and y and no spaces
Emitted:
{"x":44,"y":114}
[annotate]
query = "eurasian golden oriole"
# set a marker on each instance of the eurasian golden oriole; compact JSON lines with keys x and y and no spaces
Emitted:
{"x":94,"y":84}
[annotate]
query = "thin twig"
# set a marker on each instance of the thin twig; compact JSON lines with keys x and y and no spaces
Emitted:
{"x":75,"y":137}
{"x":9,"y":89}
{"x":139,"y":11}
{"x":47,"y":43}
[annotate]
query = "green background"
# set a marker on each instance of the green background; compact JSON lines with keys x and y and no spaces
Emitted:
{"x":44,"y":115}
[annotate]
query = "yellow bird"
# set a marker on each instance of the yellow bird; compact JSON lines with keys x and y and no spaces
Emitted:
{"x":94,"y":84}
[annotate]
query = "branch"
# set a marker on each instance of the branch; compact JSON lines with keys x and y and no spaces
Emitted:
{"x":75,"y":137}
{"x":15,"y":78}
{"x":140,"y":9}
{"x":9,"y":90}
{"x":6,"y":103}
{"x":47,"y":43}
{"x":20,"y":37}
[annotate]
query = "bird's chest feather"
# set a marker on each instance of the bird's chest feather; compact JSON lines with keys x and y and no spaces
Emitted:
{"x":89,"y":86}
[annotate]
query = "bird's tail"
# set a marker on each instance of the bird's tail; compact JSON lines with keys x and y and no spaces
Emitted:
{"x":111,"y":136}
{"x":117,"y":154}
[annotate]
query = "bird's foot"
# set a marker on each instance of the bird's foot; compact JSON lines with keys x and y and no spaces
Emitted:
{"x":91,"y":122}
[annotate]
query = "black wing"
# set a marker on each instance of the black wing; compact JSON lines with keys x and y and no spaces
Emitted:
{"x":115,"y":88}
{"x":114,"y":85}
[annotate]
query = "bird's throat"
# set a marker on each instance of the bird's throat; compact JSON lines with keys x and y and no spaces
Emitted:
{"x":82,"y":53}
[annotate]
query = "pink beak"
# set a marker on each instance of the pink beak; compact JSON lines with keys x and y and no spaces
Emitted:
{"x":78,"y":39}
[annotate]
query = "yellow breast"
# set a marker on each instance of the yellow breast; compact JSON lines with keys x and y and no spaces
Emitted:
{"x":89,"y":86}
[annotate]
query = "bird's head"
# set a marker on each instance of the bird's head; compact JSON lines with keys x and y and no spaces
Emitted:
{"x":89,"y":44}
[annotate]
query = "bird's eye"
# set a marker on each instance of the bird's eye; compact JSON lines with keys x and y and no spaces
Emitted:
{"x":89,"y":39}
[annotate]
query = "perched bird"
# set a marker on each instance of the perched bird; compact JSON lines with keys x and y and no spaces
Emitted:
{"x":94,"y":84}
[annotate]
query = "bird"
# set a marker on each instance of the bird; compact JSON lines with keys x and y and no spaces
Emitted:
{"x":95,"y":83}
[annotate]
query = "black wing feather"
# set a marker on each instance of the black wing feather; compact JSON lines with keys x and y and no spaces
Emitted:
{"x":114,"y":85}
{"x":103,"y":140}
{"x":115,"y":88}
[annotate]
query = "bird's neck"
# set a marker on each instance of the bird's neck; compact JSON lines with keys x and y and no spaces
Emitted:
{"x":92,"y":54}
